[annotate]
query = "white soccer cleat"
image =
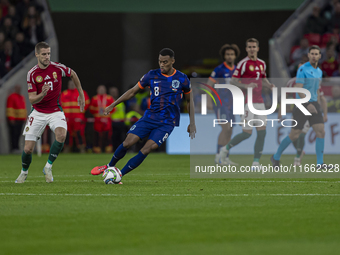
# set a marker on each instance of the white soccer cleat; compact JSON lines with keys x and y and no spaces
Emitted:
{"x":22,"y":177}
{"x":227,"y":161}
{"x":217,"y":158}
{"x":256,"y":167}
{"x":297,"y":161}
{"x":48,"y":174}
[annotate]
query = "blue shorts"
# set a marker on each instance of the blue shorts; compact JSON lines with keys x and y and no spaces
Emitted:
{"x":224,"y":113}
{"x":157,"y":131}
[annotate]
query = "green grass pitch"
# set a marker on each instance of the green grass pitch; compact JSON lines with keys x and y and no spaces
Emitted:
{"x":161,"y":210}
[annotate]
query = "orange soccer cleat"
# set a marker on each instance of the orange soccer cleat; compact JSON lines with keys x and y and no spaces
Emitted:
{"x":98,"y":170}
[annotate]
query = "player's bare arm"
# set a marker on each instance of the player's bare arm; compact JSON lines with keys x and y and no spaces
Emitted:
{"x":81,"y":99}
{"x":126,"y":96}
{"x":266,"y":83}
{"x":236,"y":82}
{"x":36,"y":98}
{"x":311,"y":108}
{"x":190,"y":107}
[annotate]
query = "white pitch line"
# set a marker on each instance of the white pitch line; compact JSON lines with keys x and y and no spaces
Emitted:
{"x":165,"y":195}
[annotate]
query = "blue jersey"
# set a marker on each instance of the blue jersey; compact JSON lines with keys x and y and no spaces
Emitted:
{"x":310,"y":77}
{"x":166,"y":94}
{"x":226,"y":72}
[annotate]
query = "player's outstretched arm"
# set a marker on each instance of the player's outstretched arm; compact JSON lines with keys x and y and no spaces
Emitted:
{"x":191,"y":110}
{"x":81,"y":99}
{"x":235,"y":81}
{"x":126,"y":96}
{"x":36,"y":98}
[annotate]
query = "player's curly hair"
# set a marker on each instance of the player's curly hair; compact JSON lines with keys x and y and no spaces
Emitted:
{"x":233,"y":47}
{"x":41,"y":45}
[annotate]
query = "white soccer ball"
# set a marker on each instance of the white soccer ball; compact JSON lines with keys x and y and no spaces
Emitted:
{"x":112,"y":175}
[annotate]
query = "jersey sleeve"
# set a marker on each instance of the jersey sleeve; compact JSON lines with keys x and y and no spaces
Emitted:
{"x":186,"y":86}
{"x":65,"y":71}
{"x":214,"y":74}
{"x":300,"y":76}
{"x":31,"y":87}
{"x":238,"y":70}
{"x":144,"y":81}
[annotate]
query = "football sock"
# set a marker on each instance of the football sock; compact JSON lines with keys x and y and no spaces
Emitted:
{"x":133,"y":163}
{"x":54,"y":151}
{"x":319,"y":146}
{"x":258,"y":148}
{"x":300,"y":143}
{"x":283,"y":145}
{"x":26,"y":160}
{"x":237,"y":139}
{"x":119,"y":153}
{"x":219,"y":146}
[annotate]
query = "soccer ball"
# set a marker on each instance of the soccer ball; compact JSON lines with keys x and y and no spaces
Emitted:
{"x":112,"y":175}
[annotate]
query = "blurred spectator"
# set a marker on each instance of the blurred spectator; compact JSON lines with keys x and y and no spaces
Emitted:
{"x":2,"y":40}
{"x":330,"y":64}
{"x":336,"y":73}
{"x":118,"y":117}
{"x":102,"y":123}
{"x":23,"y":45}
{"x":24,"y":5}
{"x":334,"y":103}
{"x":298,"y":52}
{"x":16,"y":115}
{"x":10,"y":56}
{"x":30,"y":14}
{"x":329,"y":9}
{"x":76,"y":120}
{"x":35,"y":30}
{"x":12,"y":13}
{"x":336,"y":16}
{"x":316,"y":23}
{"x":9,"y":29}
{"x":4,"y":4}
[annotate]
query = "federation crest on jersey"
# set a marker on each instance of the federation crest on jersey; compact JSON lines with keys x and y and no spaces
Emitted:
{"x":175,"y":84}
{"x":55,"y":76}
{"x":39,"y":79}
{"x":29,"y":86}
{"x":251,"y":68}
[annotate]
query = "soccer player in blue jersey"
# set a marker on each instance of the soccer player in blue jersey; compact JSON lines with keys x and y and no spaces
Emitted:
{"x":229,"y":53}
{"x":167,"y":86}
{"x":309,"y":77}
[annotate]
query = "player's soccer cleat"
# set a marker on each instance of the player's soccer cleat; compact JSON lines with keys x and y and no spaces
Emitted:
{"x":98,"y":170}
{"x":22,"y":177}
{"x":217,"y":158}
{"x":276,"y":163}
{"x":48,"y":174}
{"x":227,"y":161}
{"x":297,"y":161}
{"x":256,"y":167}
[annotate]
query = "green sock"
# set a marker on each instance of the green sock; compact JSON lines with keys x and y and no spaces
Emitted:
{"x":258,"y":148}
{"x":26,"y":160}
{"x":237,"y":139}
{"x":300,"y":143}
{"x":54,"y":151}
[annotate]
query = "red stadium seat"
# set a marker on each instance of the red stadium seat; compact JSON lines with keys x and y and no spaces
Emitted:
{"x":314,"y":39}
{"x":326,"y":37}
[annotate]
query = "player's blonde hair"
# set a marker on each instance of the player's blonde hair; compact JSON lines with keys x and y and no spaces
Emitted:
{"x":41,"y":45}
{"x":253,"y":40}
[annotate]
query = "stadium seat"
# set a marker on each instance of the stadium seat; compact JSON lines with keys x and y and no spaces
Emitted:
{"x":326,"y":37}
{"x":314,"y":39}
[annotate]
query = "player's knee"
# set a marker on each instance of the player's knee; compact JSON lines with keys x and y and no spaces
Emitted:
{"x":28,"y":150}
{"x":320,"y":133}
{"x":61,"y":138}
{"x":127,"y":144}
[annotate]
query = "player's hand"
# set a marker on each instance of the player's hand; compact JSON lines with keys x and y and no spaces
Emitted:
{"x":81,"y":103}
{"x":311,"y":108}
{"x":252,"y":85}
{"x":108,"y":109}
{"x":271,"y":86}
{"x":45,"y":88}
{"x":192,"y":130}
{"x":325,"y":118}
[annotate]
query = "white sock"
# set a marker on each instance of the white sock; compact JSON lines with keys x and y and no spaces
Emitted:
{"x":24,"y":172}
{"x":48,"y":165}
